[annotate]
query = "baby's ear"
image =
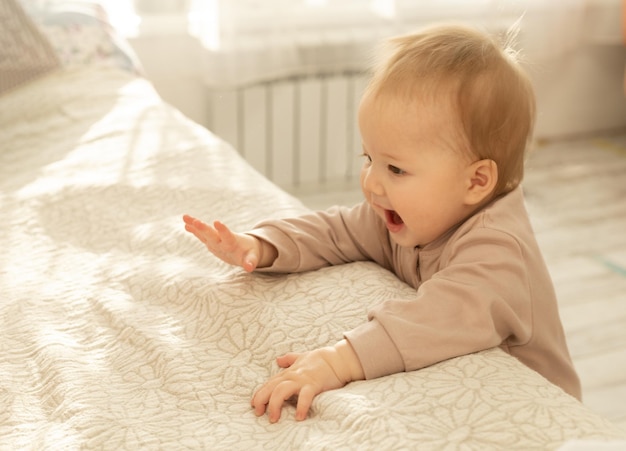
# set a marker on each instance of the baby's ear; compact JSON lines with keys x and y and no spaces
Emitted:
{"x":482,"y":177}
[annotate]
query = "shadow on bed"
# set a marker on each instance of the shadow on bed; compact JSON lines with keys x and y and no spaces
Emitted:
{"x":120,"y":332}
{"x":50,"y":126}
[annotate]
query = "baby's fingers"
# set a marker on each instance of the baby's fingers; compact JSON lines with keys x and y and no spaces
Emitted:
{"x":237,"y":243}
{"x":305,"y":399}
{"x":190,"y":224}
{"x":200,"y":230}
{"x":188,"y":219}
{"x":285,"y":361}
{"x":224,"y":234}
{"x":233,"y":248}
{"x":272,"y":397}
{"x":281,"y":393}
{"x":250,"y":261}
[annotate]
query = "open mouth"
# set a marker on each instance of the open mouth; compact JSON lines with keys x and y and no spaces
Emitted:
{"x":394,"y":221}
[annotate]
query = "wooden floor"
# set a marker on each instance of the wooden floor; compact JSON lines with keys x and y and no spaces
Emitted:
{"x":576,"y":197}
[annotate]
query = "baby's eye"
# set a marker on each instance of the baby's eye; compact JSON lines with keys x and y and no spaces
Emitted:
{"x":368,"y":159}
{"x":395,"y":170}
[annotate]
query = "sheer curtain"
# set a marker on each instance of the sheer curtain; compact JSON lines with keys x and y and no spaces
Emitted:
{"x":247,"y":41}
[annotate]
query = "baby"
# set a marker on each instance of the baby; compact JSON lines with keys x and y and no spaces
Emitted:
{"x":445,"y":121}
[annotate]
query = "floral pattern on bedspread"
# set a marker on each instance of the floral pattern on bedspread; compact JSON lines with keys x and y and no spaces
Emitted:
{"x":120,"y":332}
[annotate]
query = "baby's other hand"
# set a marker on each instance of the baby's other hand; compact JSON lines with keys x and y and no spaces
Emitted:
{"x":234,"y":248}
{"x":307,"y":375}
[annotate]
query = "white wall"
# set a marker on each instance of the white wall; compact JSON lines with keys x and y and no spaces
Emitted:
{"x":581,"y":93}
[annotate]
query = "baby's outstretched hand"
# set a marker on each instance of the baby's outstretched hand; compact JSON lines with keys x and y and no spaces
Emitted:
{"x":234,"y":248}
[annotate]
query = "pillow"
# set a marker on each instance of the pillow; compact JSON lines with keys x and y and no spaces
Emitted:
{"x":25,"y":54}
{"x":81,"y":34}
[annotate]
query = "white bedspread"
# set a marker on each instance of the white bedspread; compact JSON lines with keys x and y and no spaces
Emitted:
{"x":119,"y":331}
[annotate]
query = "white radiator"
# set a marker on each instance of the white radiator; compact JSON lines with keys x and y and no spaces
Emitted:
{"x":299,"y":131}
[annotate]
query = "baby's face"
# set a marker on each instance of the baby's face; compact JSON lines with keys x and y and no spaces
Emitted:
{"x":414,"y":175}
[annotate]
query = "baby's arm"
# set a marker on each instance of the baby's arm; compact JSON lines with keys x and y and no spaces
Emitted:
{"x":237,"y":249}
{"x":307,"y":375}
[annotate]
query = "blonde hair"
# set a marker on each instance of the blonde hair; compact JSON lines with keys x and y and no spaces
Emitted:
{"x":492,"y":95}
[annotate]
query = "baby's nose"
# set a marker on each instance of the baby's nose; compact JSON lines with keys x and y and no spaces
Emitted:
{"x":371,"y":183}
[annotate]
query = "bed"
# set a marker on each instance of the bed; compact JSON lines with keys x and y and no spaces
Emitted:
{"x":119,"y":331}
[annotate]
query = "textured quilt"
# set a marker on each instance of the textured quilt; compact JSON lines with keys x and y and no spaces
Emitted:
{"x":119,"y":331}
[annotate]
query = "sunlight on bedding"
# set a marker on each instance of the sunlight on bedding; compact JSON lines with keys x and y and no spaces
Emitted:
{"x":120,"y":331}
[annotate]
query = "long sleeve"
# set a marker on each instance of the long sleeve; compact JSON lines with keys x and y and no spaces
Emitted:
{"x":485,"y":286}
{"x":336,"y":236}
{"x":478,"y":299}
{"x":480,"y":285}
